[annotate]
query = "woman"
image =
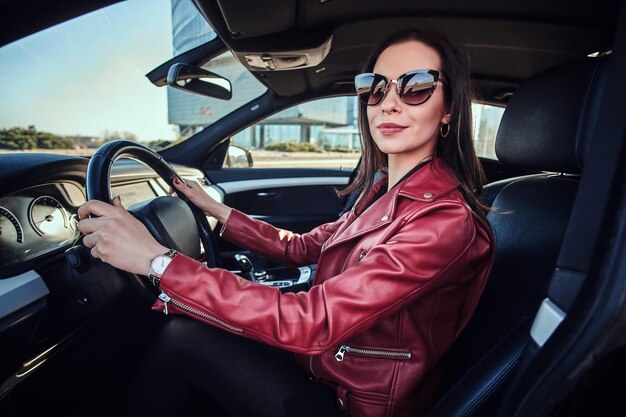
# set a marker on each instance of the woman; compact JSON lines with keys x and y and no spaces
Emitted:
{"x":398,"y":277}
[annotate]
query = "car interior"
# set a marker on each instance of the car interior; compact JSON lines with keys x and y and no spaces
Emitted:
{"x":547,"y":336}
{"x":527,"y":235}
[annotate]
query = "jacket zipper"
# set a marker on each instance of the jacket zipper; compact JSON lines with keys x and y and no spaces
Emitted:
{"x":167,"y":299}
{"x":343,"y":268}
{"x":343,"y":349}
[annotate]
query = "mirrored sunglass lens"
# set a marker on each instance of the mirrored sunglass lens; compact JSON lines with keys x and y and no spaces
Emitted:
{"x":370,"y":89}
{"x":417,"y":88}
{"x":377,"y":93}
{"x":363,"y":84}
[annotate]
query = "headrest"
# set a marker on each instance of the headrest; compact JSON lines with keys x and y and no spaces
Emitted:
{"x":548,"y":123}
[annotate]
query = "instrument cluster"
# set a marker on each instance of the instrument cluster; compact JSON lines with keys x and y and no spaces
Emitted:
{"x":38,"y":220}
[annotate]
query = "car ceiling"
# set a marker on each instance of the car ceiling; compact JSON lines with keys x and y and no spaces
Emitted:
{"x":20,"y":18}
{"x":507,"y":41}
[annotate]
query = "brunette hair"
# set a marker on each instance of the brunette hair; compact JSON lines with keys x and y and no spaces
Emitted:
{"x":457,"y":149}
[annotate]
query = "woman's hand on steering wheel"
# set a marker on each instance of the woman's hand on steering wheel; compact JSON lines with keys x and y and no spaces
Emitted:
{"x":194,"y":192}
{"x":116,"y":237}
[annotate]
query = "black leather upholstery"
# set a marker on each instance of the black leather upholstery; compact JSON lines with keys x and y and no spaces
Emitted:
{"x":545,"y":127}
{"x":547,"y":123}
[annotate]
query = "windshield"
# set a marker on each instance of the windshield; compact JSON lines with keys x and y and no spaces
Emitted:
{"x":79,"y":84}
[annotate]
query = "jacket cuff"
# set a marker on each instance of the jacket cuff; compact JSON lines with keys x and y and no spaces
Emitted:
{"x":181,"y":262}
{"x":234,"y":218}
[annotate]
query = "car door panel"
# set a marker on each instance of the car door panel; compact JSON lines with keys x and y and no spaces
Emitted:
{"x":293,"y":199}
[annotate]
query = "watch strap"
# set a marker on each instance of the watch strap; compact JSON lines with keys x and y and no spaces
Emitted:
{"x":156,"y":279}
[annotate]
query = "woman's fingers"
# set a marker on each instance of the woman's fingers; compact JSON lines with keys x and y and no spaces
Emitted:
{"x":193,"y":192}
{"x":186,"y":187}
{"x":91,"y":239}
{"x":87,"y":226}
{"x":96,"y":254}
{"x":194,"y":186}
{"x":180,"y":186}
{"x":116,"y":237}
{"x":198,"y":196}
{"x":117,"y":201}
{"x":96,"y":208}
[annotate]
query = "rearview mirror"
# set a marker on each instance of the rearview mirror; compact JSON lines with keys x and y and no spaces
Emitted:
{"x":200,"y":81}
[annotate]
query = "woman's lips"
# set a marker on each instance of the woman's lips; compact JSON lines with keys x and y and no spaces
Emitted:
{"x":390,"y":128}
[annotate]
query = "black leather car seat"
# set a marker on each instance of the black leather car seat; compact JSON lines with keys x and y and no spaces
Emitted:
{"x":545,"y":128}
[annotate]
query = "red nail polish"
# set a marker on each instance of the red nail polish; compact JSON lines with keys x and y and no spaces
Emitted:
{"x":176,"y":181}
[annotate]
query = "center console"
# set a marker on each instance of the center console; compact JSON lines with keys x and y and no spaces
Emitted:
{"x":287,"y":279}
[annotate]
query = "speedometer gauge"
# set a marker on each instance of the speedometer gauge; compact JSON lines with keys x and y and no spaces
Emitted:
{"x":10,"y":227}
{"x":47,"y":216}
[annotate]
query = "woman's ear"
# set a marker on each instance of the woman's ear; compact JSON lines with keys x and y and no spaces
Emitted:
{"x":446,"y":118}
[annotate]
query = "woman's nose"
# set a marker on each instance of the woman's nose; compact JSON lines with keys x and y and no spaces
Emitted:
{"x":392,"y":103}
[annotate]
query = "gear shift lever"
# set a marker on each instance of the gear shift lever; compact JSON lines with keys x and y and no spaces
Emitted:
{"x":247,"y":269}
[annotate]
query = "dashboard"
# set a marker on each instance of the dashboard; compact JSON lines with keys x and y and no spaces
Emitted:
{"x":47,"y":303}
{"x":44,"y":297}
{"x":38,"y":220}
{"x":39,"y":216}
{"x":40,"y":195}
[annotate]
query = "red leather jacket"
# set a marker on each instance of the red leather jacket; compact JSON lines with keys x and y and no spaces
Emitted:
{"x":394,"y":286}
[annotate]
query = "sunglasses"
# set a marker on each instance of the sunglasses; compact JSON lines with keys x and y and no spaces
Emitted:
{"x":413,"y":87}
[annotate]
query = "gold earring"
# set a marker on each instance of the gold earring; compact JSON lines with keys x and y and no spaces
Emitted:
{"x":447,"y":129}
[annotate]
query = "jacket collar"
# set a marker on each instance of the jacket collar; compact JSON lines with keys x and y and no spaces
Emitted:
{"x":430,"y":183}
{"x":426,"y":185}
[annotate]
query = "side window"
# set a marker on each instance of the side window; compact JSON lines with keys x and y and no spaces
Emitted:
{"x":317,"y":134}
{"x":486,"y":121}
{"x":324,"y":134}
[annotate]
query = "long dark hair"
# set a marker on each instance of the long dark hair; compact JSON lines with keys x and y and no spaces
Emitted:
{"x":457,"y":149}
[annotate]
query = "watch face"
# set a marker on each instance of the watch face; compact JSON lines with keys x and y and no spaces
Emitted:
{"x":160,"y":263}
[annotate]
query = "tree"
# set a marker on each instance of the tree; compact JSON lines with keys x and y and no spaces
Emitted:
{"x":19,"y":138}
{"x":158,"y":144}
{"x":110,"y":135}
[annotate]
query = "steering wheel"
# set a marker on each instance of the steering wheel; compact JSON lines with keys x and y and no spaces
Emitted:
{"x":174,"y":222}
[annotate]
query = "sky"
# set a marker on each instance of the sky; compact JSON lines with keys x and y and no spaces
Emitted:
{"x":87,"y":76}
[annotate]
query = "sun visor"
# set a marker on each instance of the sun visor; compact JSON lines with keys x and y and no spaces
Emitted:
{"x":246,"y":18}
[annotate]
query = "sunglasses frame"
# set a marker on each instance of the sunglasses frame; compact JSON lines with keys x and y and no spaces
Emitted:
{"x":436,"y":76}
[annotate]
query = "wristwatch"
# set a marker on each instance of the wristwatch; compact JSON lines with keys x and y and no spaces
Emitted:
{"x":158,"y":264}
